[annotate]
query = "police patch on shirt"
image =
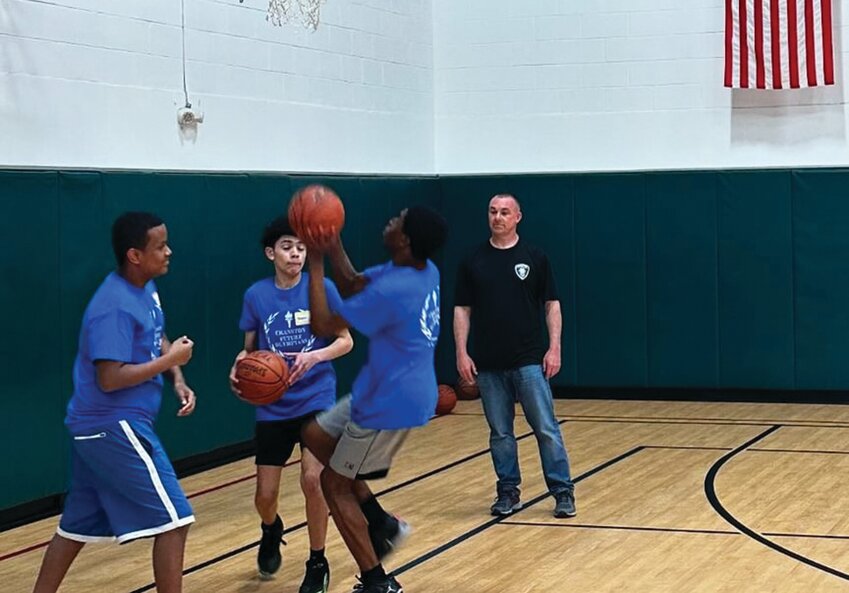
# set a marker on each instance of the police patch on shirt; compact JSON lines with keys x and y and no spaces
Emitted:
{"x":522,"y":270}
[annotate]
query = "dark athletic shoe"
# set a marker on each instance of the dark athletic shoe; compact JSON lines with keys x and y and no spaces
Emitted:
{"x":564,"y":508}
{"x":268,"y":558}
{"x":316,"y":577}
{"x":506,"y":503}
{"x":389,"y":536}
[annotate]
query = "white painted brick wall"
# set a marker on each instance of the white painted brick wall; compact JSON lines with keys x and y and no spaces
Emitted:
{"x":601,"y":85}
{"x":398,"y":86}
{"x":97,"y":83}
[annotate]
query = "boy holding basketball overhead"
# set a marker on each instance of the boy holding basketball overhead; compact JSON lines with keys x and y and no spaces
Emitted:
{"x":276,"y":317}
{"x":396,"y":305}
{"x":123,"y":485}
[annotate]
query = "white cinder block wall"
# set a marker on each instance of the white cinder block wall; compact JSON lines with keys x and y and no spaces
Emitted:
{"x":97,"y":83}
{"x":601,"y":85}
{"x":398,"y":86}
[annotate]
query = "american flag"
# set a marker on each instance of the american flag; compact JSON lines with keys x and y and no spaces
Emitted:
{"x":778,"y":44}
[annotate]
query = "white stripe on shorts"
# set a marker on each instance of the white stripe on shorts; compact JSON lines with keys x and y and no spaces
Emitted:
{"x":151,"y":468}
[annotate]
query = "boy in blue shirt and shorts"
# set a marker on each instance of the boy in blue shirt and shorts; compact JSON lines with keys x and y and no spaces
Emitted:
{"x":276,"y":317}
{"x":123,"y":486}
{"x":396,"y":305}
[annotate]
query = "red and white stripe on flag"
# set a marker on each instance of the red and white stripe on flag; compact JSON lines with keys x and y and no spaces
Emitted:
{"x":778,"y":44}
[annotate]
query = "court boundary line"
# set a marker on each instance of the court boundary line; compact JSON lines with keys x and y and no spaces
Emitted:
{"x":713,"y":499}
{"x":807,"y":451}
{"x":695,"y":421}
{"x":670,"y":530}
{"x":687,"y":448}
{"x":621,"y":527}
{"x":768,"y":421}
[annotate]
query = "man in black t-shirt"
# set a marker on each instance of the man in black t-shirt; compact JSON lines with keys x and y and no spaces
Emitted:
{"x":507,"y":286}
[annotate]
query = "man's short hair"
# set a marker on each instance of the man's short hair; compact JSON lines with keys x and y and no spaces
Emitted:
{"x":275,"y":229}
{"x":427,"y":229}
{"x":511,"y":196}
{"x":129,"y":231}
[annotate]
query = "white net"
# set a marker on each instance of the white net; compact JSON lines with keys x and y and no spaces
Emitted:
{"x":282,"y":12}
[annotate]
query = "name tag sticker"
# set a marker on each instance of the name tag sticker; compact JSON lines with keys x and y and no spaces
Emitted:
{"x":302,"y":317}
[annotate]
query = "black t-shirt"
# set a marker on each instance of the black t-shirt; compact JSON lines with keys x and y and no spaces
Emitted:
{"x":507,"y":290}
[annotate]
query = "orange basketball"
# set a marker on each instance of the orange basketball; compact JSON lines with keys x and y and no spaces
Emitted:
{"x":262,"y":377}
{"x":467,"y":390}
{"x":316,"y":212}
{"x":446,"y":401}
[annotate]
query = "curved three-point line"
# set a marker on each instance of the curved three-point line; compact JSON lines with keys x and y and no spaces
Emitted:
{"x":710,"y":492}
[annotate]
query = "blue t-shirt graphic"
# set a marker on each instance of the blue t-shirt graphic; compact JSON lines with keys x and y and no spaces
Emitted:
{"x":399,"y":312}
{"x":281,"y":319}
{"x":122,"y":323}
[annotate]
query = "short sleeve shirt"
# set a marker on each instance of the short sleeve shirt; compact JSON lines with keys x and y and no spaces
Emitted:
{"x":398,"y":311}
{"x":122,"y":323}
{"x":507,"y":290}
{"x":281,"y":319}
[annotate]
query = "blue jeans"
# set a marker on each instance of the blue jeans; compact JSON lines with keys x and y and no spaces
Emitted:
{"x":499,"y":392}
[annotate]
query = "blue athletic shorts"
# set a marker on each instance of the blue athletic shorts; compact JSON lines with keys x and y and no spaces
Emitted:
{"x":122,"y":486}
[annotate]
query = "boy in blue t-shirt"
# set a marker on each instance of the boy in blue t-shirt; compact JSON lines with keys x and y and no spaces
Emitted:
{"x":276,"y":317}
{"x":396,"y":305}
{"x":123,"y":485}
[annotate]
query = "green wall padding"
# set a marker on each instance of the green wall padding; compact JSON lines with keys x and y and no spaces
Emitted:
{"x":821,"y":290}
{"x":32,"y":384}
{"x":610,"y":282}
{"x":755,"y":280}
{"x":681,"y":289}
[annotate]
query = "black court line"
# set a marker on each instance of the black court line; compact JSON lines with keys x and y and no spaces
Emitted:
{"x":621,"y":527}
{"x":685,"y":448}
{"x":662,"y":422}
{"x":710,"y":492}
{"x":481,"y":528}
{"x":572,"y":420}
{"x":697,"y":421}
{"x":753,"y":423}
{"x":809,"y":451}
{"x":709,"y":419}
{"x":669,"y":530}
{"x":246,"y":547}
{"x":807,"y":535}
{"x":626,"y":420}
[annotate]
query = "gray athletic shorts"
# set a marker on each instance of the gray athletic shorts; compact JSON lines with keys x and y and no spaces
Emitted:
{"x":361,"y":453}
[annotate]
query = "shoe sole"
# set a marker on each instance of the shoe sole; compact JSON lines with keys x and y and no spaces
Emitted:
{"x":267,"y":575}
{"x":565,"y":515}
{"x":513,"y":509}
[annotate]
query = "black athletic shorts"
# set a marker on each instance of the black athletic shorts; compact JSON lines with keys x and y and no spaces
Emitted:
{"x":276,"y":439}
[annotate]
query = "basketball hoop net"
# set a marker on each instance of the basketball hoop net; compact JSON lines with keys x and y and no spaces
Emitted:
{"x":282,"y":12}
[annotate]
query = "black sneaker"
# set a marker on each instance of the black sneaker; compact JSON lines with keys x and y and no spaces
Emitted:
{"x":268,"y":559}
{"x":506,"y":503}
{"x":316,"y":577}
{"x":565,"y":505}
{"x":389,"y":536}
{"x":390,"y":585}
